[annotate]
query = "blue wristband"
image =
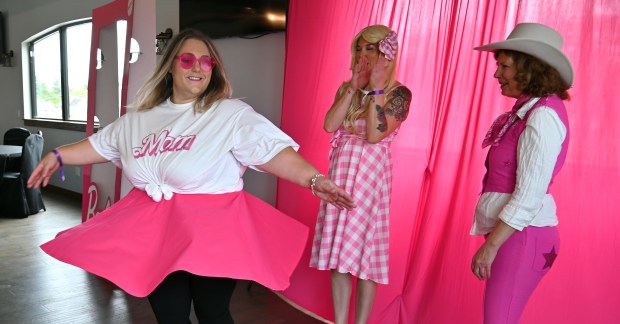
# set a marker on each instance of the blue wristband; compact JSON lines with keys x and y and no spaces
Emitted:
{"x":375,"y":92}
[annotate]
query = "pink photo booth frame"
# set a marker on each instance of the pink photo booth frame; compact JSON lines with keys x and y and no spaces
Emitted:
{"x":103,"y":17}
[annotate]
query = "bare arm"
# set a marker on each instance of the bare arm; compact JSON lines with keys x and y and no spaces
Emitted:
{"x":79,"y":153}
{"x":385,"y":117}
{"x":338,"y":111}
{"x":291,"y":166}
{"x":386,"y":112}
{"x":336,"y":114}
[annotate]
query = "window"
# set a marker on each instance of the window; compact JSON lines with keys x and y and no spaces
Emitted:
{"x":58,"y":74}
{"x":59,"y":62}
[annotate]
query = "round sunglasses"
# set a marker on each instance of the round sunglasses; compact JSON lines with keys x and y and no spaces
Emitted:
{"x":187,"y":60}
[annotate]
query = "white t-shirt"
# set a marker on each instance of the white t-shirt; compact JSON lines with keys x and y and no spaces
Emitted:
{"x":170,"y":148}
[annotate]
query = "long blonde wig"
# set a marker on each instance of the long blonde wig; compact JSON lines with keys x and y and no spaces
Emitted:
{"x":158,"y":87}
{"x":372,"y":34}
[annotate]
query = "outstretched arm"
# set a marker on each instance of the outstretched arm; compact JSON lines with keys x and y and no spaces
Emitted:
{"x":79,"y":153}
{"x":291,"y":166}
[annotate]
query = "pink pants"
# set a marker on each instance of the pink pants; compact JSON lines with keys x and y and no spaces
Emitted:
{"x":518,"y":267}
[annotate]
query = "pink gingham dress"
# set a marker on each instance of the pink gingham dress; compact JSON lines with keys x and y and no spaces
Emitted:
{"x":357,"y":241}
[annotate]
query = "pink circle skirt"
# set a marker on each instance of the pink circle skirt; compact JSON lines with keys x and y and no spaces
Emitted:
{"x":137,"y":242}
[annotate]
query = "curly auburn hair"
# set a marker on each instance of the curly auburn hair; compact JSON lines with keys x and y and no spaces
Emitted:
{"x":535,"y":77}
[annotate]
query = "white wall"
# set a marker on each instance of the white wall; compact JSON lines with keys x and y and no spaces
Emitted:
{"x":256,"y":70}
{"x":255,"y":67}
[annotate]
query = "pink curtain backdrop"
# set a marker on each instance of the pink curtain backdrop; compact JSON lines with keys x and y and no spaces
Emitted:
{"x":438,"y":161}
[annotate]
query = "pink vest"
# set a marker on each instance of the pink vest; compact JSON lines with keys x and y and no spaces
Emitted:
{"x":501,"y":161}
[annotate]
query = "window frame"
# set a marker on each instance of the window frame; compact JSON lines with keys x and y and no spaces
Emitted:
{"x":64,"y":123}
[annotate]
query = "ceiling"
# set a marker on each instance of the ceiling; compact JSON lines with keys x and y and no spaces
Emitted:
{"x":229,"y":18}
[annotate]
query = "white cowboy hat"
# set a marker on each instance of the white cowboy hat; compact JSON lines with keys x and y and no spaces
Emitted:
{"x":539,"y":41}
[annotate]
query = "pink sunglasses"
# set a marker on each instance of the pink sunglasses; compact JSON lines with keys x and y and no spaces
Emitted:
{"x":187,"y":60}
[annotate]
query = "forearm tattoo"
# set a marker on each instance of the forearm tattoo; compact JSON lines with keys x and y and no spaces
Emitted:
{"x":397,"y":107}
{"x":382,"y":126}
{"x":398,"y":104}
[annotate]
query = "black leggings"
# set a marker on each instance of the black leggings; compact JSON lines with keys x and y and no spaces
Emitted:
{"x":172,"y":299}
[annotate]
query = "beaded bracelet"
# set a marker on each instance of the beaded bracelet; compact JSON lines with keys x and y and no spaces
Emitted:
{"x":59,"y":159}
{"x":313,"y":182}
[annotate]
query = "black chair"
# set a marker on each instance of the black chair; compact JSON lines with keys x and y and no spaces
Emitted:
{"x":16,"y":199}
{"x":15,"y":136}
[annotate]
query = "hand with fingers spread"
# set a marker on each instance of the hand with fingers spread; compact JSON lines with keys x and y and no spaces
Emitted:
{"x":327,"y":190}
{"x":79,"y":153}
{"x":379,"y":74}
{"x":43,"y":171}
{"x":361,"y":74}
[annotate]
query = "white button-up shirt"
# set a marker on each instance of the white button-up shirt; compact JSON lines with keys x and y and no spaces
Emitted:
{"x":537,"y":152}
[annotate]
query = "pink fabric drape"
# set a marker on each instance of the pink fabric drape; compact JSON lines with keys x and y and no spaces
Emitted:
{"x":438,"y":162}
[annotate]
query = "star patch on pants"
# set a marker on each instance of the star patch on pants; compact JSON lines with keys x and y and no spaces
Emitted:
{"x":549,"y":258}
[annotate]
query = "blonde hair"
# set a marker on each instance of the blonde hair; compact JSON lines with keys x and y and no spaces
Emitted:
{"x":372,"y":34}
{"x":158,"y":87}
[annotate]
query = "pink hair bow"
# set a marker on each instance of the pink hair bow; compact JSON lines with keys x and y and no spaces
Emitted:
{"x":389,"y":45}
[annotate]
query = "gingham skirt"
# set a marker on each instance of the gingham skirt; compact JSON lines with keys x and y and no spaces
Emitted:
{"x":357,"y":241}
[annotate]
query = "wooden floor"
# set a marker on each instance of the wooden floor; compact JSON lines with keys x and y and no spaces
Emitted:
{"x":36,"y":288}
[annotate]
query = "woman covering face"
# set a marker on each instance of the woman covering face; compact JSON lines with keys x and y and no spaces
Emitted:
{"x":527,"y":148}
{"x":364,"y":119}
